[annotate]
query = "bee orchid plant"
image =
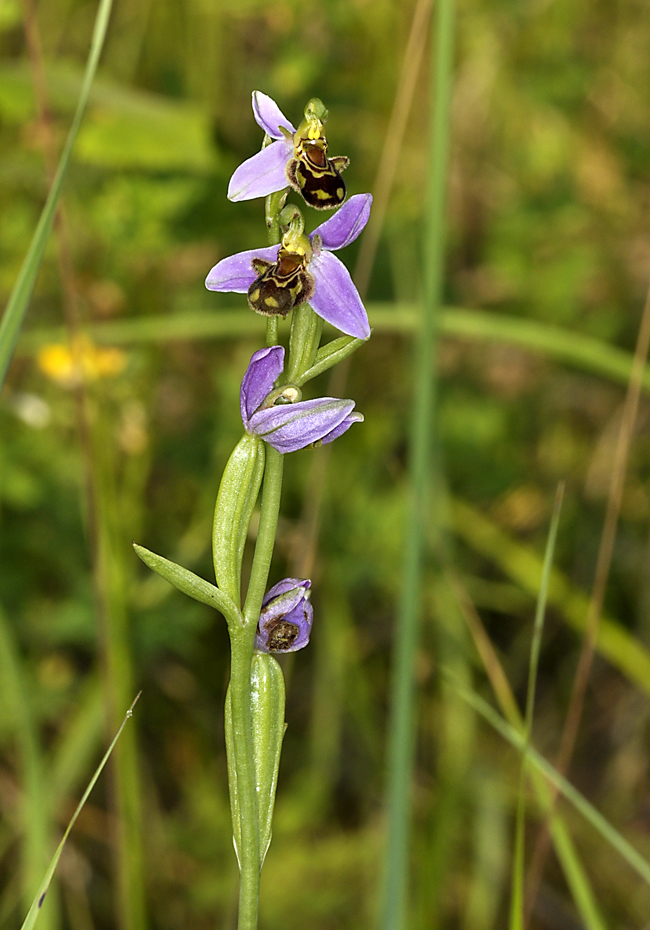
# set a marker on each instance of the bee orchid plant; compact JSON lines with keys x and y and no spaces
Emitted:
{"x":296,"y":274}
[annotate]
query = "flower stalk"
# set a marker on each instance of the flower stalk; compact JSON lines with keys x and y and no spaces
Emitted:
{"x":239,"y":699}
{"x":296,"y":274}
{"x":242,"y":781}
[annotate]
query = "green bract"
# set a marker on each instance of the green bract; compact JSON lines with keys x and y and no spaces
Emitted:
{"x":238,"y":492}
{"x":267,"y":726}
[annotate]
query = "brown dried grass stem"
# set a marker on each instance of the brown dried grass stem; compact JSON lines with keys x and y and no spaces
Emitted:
{"x":601,"y":577}
{"x":307,"y":537}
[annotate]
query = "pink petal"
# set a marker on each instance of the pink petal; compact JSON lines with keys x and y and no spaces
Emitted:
{"x":262,"y":174}
{"x":336,"y":298}
{"x":346,"y":224}
{"x":269,"y":116}
{"x":236,"y":273}
{"x":265,"y":366}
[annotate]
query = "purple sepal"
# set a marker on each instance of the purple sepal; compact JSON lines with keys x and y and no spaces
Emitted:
{"x":342,"y":427}
{"x":347,"y":223}
{"x":269,"y":116}
{"x":289,"y":426}
{"x":286,"y":617}
{"x":263,"y":173}
{"x":297,"y":585}
{"x":264,"y":368}
{"x":335,"y":297}
{"x":235,"y":274}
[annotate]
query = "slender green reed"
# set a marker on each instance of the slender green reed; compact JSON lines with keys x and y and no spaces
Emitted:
{"x":568,"y":857}
{"x":618,"y":842}
{"x":572,"y":348}
{"x":38,"y":828}
{"x":454,"y":735}
{"x":401,"y":736}
{"x":35,"y":909}
{"x":517,"y":914}
{"x":522,"y":563}
{"x":72,"y":754}
{"x":110,"y":575}
{"x":16,"y":308}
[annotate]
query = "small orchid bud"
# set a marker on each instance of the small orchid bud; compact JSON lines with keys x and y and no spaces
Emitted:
{"x":286,"y":617}
{"x":292,"y":423}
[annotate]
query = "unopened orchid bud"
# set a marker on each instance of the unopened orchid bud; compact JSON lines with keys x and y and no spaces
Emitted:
{"x":286,"y":617}
{"x":292,"y":423}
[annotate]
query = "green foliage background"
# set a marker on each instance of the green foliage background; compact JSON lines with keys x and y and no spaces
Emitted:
{"x":548,"y":223}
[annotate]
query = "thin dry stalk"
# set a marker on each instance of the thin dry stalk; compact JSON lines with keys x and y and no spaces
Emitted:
{"x":307,"y":542}
{"x":389,"y":161}
{"x":493,"y":668}
{"x":603,"y":566}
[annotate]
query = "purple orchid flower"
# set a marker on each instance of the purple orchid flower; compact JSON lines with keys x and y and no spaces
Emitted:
{"x":280,"y":417}
{"x":297,"y":158}
{"x":332,"y":294}
{"x":286,"y":617}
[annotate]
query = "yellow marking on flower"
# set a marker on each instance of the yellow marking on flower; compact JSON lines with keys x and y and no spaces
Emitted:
{"x":297,"y":242}
{"x":80,"y":360}
{"x":315,"y":130}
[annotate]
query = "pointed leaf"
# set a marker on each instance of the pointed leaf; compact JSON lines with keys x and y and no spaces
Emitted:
{"x":330,"y":355}
{"x":187,"y":582}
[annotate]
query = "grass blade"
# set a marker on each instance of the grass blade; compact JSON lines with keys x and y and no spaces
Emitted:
{"x":37,"y":903}
{"x":517,"y":915}
{"x":73,"y":753}
{"x":618,"y":842}
{"x":35,"y":809}
{"x":585,"y":353}
{"x":401,"y":737}
{"x":521,"y":563}
{"x":14,"y":314}
{"x":568,"y":857}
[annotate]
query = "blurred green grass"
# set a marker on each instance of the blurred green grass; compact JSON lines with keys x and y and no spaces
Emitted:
{"x":549,"y":258}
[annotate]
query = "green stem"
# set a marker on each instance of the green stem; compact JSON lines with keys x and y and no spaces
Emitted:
{"x":271,"y":494}
{"x":272,"y":331}
{"x":242,"y":640}
{"x":306,"y":331}
{"x":272,"y":207}
{"x":402,"y":722}
{"x":274,"y":468}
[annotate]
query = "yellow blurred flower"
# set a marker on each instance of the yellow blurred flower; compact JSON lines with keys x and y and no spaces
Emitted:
{"x":80,"y":360}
